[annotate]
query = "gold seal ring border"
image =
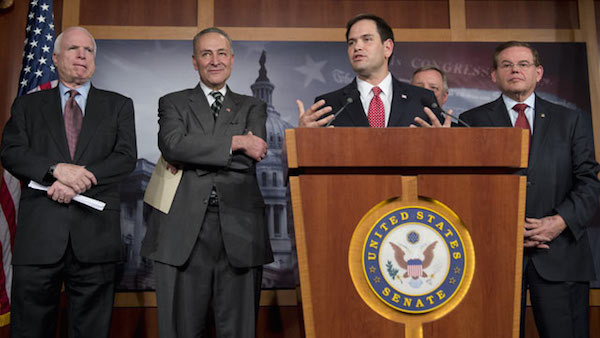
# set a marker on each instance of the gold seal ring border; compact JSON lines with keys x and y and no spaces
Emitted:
{"x":386,"y":214}
{"x":357,"y":271}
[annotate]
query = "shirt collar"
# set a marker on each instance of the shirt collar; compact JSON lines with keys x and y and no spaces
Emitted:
{"x":84,"y":90}
{"x":207,"y":90}
{"x":510,"y":103}
{"x":365,"y":88}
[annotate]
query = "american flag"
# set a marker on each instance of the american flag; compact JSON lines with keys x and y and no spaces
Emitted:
{"x":38,"y":73}
{"x":38,"y":70}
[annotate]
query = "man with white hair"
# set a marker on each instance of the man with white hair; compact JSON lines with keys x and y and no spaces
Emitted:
{"x":434,"y":79}
{"x":75,"y":139}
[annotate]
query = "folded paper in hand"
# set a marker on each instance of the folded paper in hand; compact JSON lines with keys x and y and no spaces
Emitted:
{"x":90,"y":202}
{"x":162,"y":187}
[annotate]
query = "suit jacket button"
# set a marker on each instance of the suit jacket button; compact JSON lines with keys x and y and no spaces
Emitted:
{"x":528,"y":183}
{"x":205,"y":201}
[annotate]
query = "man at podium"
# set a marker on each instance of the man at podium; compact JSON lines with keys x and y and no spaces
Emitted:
{"x":375,"y":98}
{"x":562,"y":191}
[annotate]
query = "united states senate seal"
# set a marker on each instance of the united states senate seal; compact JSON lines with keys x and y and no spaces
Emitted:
{"x":414,"y":256}
{"x":414,"y":259}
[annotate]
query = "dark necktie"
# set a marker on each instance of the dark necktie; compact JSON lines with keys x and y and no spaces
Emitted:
{"x":376,"y":110}
{"x":521,"y":121}
{"x":73,"y":118}
{"x":216,"y":106}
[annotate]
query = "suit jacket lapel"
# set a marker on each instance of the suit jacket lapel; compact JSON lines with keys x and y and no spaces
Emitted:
{"x":355,"y":109}
{"x":399,"y":95}
{"x":499,"y":115}
{"x":95,"y":108}
{"x":541,"y":122}
{"x":201,"y":110}
{"x":56,"y":123}
{"x":227,"y":112}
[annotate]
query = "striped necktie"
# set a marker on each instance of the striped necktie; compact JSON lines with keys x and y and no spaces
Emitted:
{"x":216,"y":106}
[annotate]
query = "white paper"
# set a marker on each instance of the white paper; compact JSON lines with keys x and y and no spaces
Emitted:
{"x":90,"y":202}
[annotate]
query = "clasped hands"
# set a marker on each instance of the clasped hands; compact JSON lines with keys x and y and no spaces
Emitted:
{"x":539,"y":232}
{"x":71,"y":179}
{"x":251,"y":145}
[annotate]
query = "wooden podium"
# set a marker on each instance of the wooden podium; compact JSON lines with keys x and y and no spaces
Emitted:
{"x":337,"y":175}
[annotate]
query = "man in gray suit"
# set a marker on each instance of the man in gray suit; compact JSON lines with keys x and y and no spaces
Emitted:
{"x":210,"y":247}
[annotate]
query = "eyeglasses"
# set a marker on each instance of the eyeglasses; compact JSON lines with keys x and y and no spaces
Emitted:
{"x":520,"y":66}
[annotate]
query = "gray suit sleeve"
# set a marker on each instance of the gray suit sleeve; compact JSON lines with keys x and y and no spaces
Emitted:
{"x":181,"y":144}
{"x":257,"y":116}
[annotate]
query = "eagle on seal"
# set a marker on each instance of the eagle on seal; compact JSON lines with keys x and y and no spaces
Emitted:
{"x":414,"y":267}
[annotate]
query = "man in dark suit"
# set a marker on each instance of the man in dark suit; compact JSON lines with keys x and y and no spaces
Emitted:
{"x":210,"y":247}
{"x":375,"y":98}
{"x":77,"y":140}
{"x":562,"y":191}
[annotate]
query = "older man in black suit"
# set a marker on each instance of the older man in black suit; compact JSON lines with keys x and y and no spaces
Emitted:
{"x":210,"y":247}
{"x":375,"y":98}
{"x":562,"y":191}
{"x":78,"y":140}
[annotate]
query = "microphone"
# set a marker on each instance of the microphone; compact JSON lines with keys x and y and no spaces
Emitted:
{"x":434,"y":106}
{"x":349,"y":100}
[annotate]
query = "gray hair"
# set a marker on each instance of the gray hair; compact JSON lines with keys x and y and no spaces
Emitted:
{"x":59,"y":38}
{"x":426,"y":68}
{"x":212,"y":30}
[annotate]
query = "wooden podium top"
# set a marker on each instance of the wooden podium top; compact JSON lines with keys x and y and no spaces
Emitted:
{"x":483,"y":149}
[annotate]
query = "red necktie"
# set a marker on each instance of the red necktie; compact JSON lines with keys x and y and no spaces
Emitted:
{"x":376,"y":110}
{"x":73,"y":119}
{"x":521,"y":121}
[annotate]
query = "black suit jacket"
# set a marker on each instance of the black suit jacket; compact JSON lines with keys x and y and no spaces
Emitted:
{"x":407,"y":103}
{"x":189,"y":136}
{"x":561,"y":178}
{"x":34,"y":139}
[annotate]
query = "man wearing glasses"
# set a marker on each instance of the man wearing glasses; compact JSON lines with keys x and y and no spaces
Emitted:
{"x":562,"y":191}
